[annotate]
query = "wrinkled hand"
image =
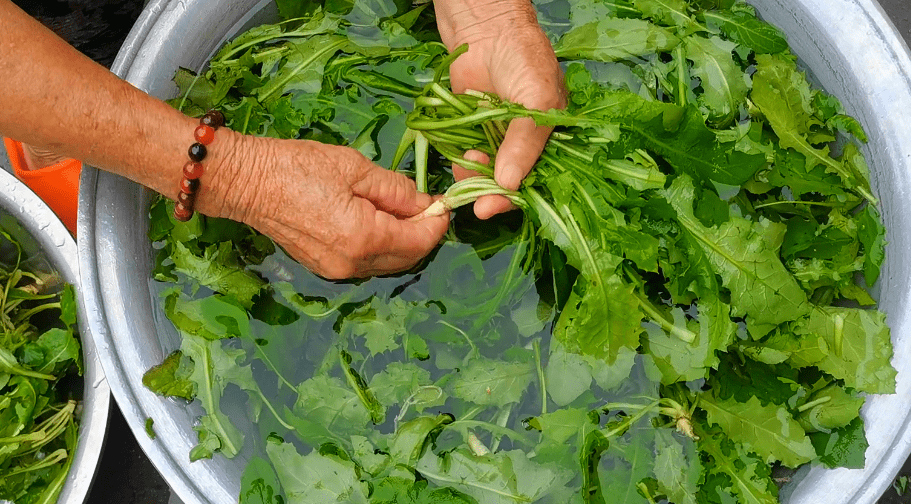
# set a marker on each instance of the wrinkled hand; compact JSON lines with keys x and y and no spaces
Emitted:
{"x":508,"y":55}
{"x":330,"y":208}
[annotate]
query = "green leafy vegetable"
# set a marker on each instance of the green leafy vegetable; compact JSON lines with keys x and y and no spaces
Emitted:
{"x":39,"y":353}
{"x":662,"y":320}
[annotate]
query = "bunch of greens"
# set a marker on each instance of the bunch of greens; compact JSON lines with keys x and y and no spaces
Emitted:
{"x":679,"y":309}
{"x":38,"y":350}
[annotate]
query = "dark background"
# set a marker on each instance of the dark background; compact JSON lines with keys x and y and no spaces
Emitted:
{"x":98,"y":28}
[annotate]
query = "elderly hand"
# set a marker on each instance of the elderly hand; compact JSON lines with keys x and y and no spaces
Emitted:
{"x":329,"y":207}
{"x":510,"y":56}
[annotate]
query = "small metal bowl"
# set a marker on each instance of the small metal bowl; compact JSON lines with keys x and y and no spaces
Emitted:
{"x":33,"y":224}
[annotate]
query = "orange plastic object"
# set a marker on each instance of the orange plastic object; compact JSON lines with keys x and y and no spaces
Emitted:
{"x":57,"y":185}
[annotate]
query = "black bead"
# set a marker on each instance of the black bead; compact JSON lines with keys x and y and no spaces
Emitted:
{"x":197,"y":152}
{"x":213,"y":118}
{"x":189,"y":186}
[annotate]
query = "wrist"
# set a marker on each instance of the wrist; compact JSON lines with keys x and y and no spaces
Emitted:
{"x":228,"y":188}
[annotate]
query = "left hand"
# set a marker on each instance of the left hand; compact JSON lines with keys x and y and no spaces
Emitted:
{"x":508,"y":55}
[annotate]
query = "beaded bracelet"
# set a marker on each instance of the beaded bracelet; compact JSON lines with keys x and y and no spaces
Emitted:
{"x":192,"y":171}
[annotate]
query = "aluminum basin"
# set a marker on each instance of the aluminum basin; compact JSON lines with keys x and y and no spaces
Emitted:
{"x":850,"y":48}
{"x":31,"y":222}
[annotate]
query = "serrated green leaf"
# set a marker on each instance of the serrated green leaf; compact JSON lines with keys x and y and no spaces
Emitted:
{"x":783,"y":95}
{"x":770,"y":430}
{"x":860,"y":348}
{"x":614,"y":39}
{"x":750,"y":478}
{"x":502,"y":478}
{"x":744,"y":28}
{"x":676,"y":470}
{"x":315,"y":477}
{"x":761,"y":288}
{"x":491,"y":382}
{"x":723,"y":81}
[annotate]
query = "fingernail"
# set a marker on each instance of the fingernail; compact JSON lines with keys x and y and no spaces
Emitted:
{"x":507,"y":179}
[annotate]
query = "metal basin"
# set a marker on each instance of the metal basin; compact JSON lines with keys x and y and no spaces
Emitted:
{"x":850,"y":48}
{"x":31,"y":222}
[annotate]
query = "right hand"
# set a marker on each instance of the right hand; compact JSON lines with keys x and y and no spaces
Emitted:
{"x":328,"y":206}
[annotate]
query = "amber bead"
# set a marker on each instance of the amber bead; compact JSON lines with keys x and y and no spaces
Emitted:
{"x":189,"y":186}
{"x":192,"y":170}
{"x":197,"y":152}
{"x":185,"y":199}
{"x":182,"y":213}
{"x":213,"y":118}
{"x":204,"y":134}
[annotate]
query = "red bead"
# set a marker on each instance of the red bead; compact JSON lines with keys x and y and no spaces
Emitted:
{"x":192,"y":170}
{"x":182,"y":213}
{"x":189,"y":186}
{"x":204,"y":134}
{"x":185,"y":199}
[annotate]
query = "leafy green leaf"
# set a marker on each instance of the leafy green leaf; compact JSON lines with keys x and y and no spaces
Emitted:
{"x":770,"y":430}
{"x":783,"y":96}
{"x":844,"y":447}
{"x":171,"y":377}
{"x":872,"y":234}
{"x":329,"y":408}
{"x":723,"y":81}
{"x":676,"y":468}
{"x":744,"y":28}
{"x":502,"y":478}
{"x":860,"y":348}
{"x":490,"y":382}
{"x":832,"y":408}
{"x":220,"y":270}
{"x":614,"y":39}
{"x":666,"y":12}
{"x":748,"y":477}
{"x":259,"y":484}
{"x":315,"y":477}
{"x":761,"y":288}
{"x":210,"y":318}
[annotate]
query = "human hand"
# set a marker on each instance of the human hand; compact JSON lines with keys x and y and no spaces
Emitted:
{"x":508,"y":55}
{"x":330,"y":208}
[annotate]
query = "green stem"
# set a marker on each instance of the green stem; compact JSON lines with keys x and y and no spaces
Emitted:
{"x":474,"y":349}
{"x":454,"y":158}
{"x":450,"y":98}
{"x":51,"y":460}
{"x":813,"y":404}
{"x":472,"y":119}
{"x":630,"y":420}
{"x":274,"y":413}
{"x":492,"y":428}
{"x":280,"y":83}
{"x":807,"y":203}
{"x":447,"y":62}
{"x":407,"y":141}
{"x":655,"y":316}
{"x":683,"y":84}
{"x":421,"y":150}
{"x":543,"y":385}
{"x":643,"y":489}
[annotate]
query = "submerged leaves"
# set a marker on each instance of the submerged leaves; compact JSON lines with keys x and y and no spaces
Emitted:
{"x":683,"y":239}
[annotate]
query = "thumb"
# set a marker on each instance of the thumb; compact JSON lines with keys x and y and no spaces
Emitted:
{"x":522,"y":146}
{"x":391,"y":192}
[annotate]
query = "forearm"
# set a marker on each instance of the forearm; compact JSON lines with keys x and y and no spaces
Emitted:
{"x":57,"y":99}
